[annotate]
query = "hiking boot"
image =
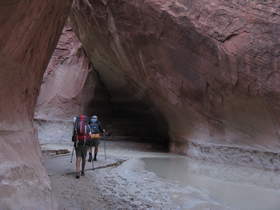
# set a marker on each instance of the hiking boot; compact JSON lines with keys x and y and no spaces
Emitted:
{"x":82,"y":173}
{"x":77,"y":175}
{"x":90,"y":157}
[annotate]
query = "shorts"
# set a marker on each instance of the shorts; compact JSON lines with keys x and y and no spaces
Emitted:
{"x":93,"y":142}
{"x":81,"y":151}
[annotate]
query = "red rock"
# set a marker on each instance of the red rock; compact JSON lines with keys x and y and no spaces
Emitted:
{"x":28,"y":34}
{"x":62,"y":94}
{"x":210,"y":68}
{"x":70,"y":87}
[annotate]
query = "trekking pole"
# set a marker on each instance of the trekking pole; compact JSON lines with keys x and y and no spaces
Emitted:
{"x":105,"y":149}
{"x":104,"y":144}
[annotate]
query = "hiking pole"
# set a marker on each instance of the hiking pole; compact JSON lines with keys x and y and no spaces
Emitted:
{"x":105,"y":149}
{"x":104,"y":144}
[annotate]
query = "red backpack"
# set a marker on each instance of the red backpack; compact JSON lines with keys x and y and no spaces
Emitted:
{"x":82,"y":129}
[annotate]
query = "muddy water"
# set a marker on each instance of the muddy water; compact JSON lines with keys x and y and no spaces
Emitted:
{"x":238,"y":188}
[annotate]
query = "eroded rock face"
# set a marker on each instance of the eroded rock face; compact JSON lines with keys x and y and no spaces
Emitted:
{"x":28,"y":35}
{"x":70,"y":87}
{"x":211,"y":69}
{"x":61,"y":95}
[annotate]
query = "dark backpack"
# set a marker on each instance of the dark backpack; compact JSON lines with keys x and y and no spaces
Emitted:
{"x":94,"y":127}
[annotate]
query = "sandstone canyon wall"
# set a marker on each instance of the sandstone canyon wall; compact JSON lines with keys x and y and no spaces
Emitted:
{"x":72,"y":86}
{"x":210,"y":68}
{"x":29,"y":31}
{"x":61,"y":95}
{"x":67,"y":90}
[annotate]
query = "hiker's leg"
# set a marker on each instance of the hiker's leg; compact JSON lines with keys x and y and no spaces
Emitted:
{"x":90,"y":149}
{"x":90,"y":154}
{"x":95,"y":151}
{"x":83,"y":164}
{"x":78,"y":163}
{"x":84,"y":155}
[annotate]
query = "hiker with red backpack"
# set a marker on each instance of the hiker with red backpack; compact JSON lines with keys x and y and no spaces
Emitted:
{"x":81,"y":136}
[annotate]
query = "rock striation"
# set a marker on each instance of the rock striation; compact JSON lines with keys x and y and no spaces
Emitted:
{"x":70,"y":87}
{"x":28,"y":35}
{"x":210,"y":69}
{"x":68,"y":74}
{"x":63,"y":94}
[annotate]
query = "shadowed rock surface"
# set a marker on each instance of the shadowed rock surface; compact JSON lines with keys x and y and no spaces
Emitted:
{"x":71,"y":86}
{"x":211,"y":70}
{"x":29,"y":31}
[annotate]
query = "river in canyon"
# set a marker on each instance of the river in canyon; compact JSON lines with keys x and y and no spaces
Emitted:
{"x":133,"y":176}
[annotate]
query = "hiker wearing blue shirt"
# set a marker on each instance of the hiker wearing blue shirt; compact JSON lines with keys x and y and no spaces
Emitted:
{"x":96,"y":131}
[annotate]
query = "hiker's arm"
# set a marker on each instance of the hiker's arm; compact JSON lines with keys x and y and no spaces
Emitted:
{"x":73,"y":134}
{"x":89,"y":130}
{"x":103,"y":130}
{"x":100,"y":128}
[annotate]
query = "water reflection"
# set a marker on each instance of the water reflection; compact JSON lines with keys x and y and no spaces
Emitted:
{"x":236,"y":187}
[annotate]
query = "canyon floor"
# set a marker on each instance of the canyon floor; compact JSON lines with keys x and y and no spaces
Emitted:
{"x":135,"y":176}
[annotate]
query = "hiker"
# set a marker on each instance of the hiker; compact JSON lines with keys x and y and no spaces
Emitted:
{"x":81,"y":135}
{"x":96,"y":130}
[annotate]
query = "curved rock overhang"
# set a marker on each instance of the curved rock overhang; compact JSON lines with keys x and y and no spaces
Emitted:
{"x":210,"y":69}
{"x":71,"y":86}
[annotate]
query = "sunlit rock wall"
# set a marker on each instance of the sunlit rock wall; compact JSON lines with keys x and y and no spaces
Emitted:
{"x":68,"y":90}
{"x":29,"y":31}
{"x":61,"y":95}
{"x":211,"y":68}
